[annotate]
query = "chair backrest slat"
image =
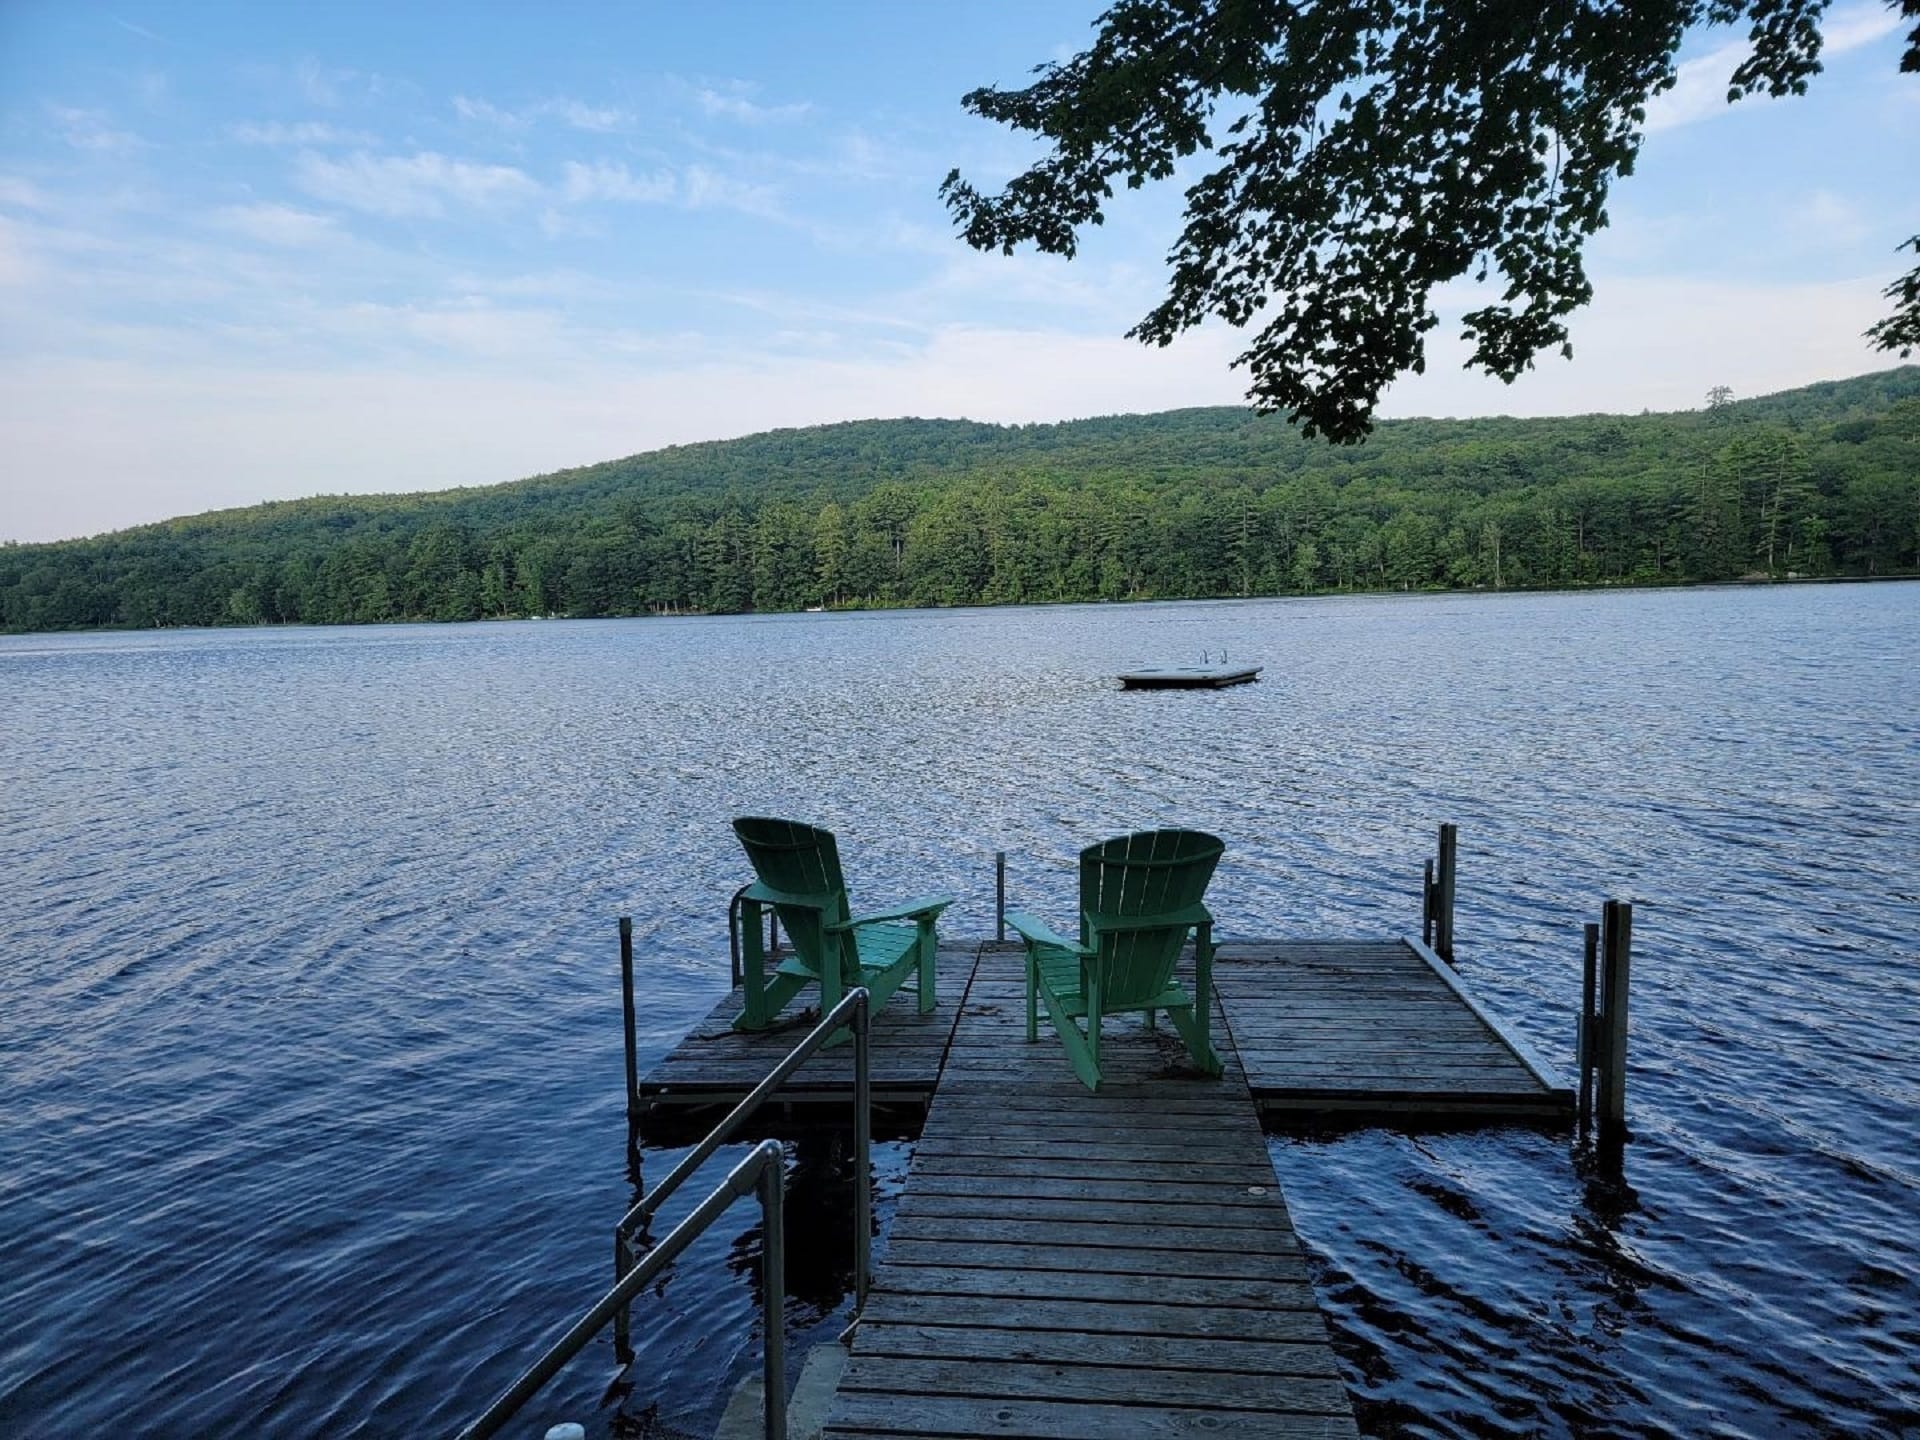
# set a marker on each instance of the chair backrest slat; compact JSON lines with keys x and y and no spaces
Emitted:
{"x":802,"y":861}
{"x":1132,"y":880}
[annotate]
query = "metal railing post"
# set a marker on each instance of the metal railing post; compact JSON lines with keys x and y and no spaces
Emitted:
{"x":626,"y":1007}
{"x":862,"y":1152}
{"x":1443,"y":897}
{"x":773,"y":1290}
{"x":833,"y":1020}
{"x":1000,"y":896}
{"x":1616,"y":949}
{"x":623,"y":1317}
{"x":741,"y":1180}
{"x":1584,"y":1046}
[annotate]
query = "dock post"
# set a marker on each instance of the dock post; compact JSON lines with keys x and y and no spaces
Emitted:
{"x":862,"y":1152}
{"x":1426,"y":907}
{"x":623,"y":1317}
{"x":626,"y":1006}
{"x":1616,"y":948}
{"x":773,"y":1291}
{"x":1443,"y":893}
{"x":1584,"y":1037}
{"x":1000,"y":896}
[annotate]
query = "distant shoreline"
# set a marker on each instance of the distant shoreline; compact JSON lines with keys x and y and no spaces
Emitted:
{"x":1606,"y":587}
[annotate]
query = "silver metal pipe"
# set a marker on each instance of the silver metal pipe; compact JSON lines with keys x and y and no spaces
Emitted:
{"x":626,"y":1012}
{"x":743,"y":1179}
{"x":862,"y":1151}
{"x":622,"y":1318}
{"x":773,"y":1289}
{"x":740,"y":1113}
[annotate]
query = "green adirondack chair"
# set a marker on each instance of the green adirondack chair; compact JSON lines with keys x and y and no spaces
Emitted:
{"x":1140,"y":896}
{"x":798,"y":875}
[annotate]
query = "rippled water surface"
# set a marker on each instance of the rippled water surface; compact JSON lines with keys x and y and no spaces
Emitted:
{"x":311,"y":1042}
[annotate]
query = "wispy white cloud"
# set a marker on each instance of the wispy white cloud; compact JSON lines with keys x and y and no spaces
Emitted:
{"x":283,"y":225}
{"x":1832,"y":219}
{"x":488,"y":113}
{"x":1659,"y":342}
{"x":695,"y":187}
{"x":1700,"y":86}
{"x":597,"y":119}
{"x":330,"y":86}
{"x":705,"y":189}
{"x":612,"y":180}
{"x":21,"y":194}
{"x":1848,"y":27}
{"x":140,"y":30}
{"x":16,"y":266}
{"x":92,"y":131}
{"x":304,"y":132}
{"x":406,"y":186}
{"x":733,"y":103}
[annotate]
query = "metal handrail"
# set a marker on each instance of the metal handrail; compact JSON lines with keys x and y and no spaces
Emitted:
{"x":763,"y":1171}
{"x":855,"y":1005}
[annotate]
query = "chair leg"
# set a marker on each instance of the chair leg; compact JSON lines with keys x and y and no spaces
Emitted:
{"x":1033,"y":1001}
{"x":1082,"y":1056}
{"x":1194,"y":1036}
{"x":832,"y":987}
{"x":778,"y":990}
{"x":929,"y":948}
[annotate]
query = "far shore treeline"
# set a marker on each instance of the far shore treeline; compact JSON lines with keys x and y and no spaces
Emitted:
{"x":1821,"y":481}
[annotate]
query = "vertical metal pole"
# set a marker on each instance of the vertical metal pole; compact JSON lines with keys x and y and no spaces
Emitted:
{"x":773,"y":932}
{"x":626,"y":1006}
{"x":1583,"y":1046}
{"x":862,"y":1151}
{"x":1443,"y":901}
{"x":1000,"y":895}
{"x":1616,"y":948}
{"x":1426,"y":906}
{"x":773,"y":1286}
{"x":623,"y":1317}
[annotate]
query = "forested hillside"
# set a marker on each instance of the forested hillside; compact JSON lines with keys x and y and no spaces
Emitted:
{"x":1819,"y":481}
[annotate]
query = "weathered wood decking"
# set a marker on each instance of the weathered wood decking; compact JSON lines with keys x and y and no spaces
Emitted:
{"x":1065,"y":1264}
{"x":1319,"y":1026}
{"x":1364,"y":1026}
{"x":1071,"y":1265}
{"x":716,"y":1065}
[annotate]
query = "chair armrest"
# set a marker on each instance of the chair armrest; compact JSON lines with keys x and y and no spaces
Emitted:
{"x":1035,"y":932}
{"x":1186,"y":917}
{"x":912,"y":910}
{"x":767,"y":895}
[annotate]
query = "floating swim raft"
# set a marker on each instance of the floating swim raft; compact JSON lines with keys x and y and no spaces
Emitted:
{"x":1189,"y":677}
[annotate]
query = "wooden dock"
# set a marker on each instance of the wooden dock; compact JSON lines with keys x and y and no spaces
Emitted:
{"x":1071,"y":1265}
{"x":1065,"y":1264}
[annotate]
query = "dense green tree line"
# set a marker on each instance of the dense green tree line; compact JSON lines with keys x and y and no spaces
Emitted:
{"x":1217,"y":502}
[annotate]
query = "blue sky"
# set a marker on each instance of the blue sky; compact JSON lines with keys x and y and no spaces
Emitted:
{"x":252,"y":251}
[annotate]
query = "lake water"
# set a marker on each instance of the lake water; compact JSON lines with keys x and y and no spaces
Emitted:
{"x":310,"y":1048}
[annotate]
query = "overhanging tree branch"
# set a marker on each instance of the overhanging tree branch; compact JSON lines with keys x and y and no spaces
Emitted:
{"x":1387,"y":148}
